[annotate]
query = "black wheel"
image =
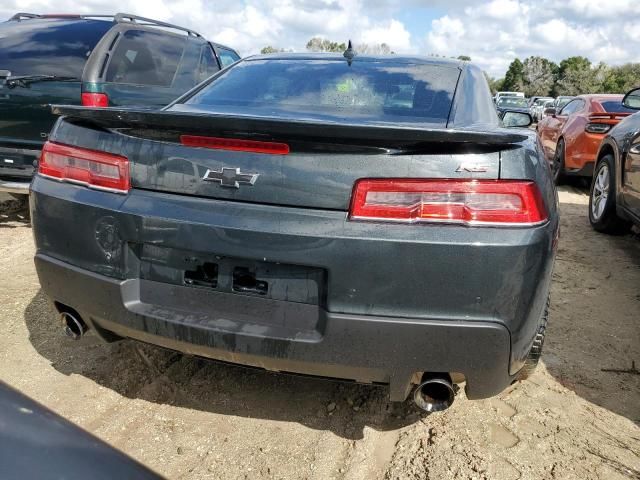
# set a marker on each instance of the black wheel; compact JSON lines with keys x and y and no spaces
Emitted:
{"x":557,"y":167}
{"x":602,"y":199}
{"x":535,"y":353}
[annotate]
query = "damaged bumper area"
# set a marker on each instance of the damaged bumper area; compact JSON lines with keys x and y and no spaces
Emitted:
{"x":267,"y":333}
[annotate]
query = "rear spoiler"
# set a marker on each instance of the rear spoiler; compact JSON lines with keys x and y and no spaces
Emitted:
{"x":365,"y":134}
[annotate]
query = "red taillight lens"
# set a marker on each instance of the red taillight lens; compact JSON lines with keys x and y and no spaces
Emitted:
{"x":94,"y":99}
{"x":469,"y":202}
{"x":100,"y":170}
{"x":235,"y":144}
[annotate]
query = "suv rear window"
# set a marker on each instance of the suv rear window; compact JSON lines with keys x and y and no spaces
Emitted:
{"x":49,"y":46}
{"x":227,"y":57}
{"x":367,"y":90}
{"x":146,"y":58}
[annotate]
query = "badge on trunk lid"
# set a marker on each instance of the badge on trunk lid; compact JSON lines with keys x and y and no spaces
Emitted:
{"x":230,"y":177}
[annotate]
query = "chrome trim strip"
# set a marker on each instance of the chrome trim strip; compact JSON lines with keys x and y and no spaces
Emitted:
{"x":15,"y":187}
{"x":472,"y":223}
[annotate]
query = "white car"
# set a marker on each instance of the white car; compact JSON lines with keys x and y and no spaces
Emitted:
{"x":537,"y":107}
{"x":507,"y":94}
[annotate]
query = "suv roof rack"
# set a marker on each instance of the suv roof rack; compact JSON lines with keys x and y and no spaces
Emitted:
{"x":26,"y":16}
{"x":118,"y":18}
{"x":127,"y":17}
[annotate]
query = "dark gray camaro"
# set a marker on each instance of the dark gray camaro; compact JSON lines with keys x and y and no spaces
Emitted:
{"x":361,"y":218}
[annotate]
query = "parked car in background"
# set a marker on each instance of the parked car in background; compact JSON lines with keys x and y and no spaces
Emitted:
{"x":507,"y":103}
{"x":560,"y":101}
{"x":614,"y":201}
{"x":545,"y":109}
{"x":571,"y":137}
{"x":329,"y":227}
{"x":507,"y":94}
{"x":99,"y":61}
{"x":536,"y":107}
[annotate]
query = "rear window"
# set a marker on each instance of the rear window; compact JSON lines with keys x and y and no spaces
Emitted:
{"x":146,"y":58}
{"x":367,"y":90}
{"x":227,"y":57}
{"x":615,"y":106}
{"x":563,"y":101}
{"x":49,"y":46}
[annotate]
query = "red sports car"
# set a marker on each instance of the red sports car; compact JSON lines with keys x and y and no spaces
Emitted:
{"x":571,"y":137}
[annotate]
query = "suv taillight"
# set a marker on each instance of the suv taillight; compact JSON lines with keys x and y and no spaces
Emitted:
{"x":100,"y":170}
{"x":94,"y":99}
{"x":468,"y":202}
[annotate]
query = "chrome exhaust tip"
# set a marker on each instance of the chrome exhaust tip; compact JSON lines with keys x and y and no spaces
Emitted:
{"x":435,"y":393}
{"x":72,"y":325}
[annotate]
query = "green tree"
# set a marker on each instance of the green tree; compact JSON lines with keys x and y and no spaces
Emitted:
{"x":514,"y":78}
{"x":464,"y":58}
{"x":539,"y":76}
{"x":375,"y":49}
{"x":573,"y":63}
{"x":270,"y":49}
{"x":576,"y":76}
{"x":621,"y":79}
{"x":317,"y":44}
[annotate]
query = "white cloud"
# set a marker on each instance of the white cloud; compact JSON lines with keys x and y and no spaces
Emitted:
{"x":496,"y":32}
{"x":393,"y":34}
{"x":445,"y":31}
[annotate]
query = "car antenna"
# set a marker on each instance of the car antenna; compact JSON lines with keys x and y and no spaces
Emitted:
{"x":349,"y":53}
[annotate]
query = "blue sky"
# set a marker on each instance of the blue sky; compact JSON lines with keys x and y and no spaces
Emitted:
{"x":418,"y":19}
{"x":492,"y":33}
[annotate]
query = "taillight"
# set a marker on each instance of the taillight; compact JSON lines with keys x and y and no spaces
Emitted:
{"x":100,"y":170}
{"x":94,"y":99}
{"x":597,"y":127}
{"x":468,"y":202}
{"x":236,"y":144}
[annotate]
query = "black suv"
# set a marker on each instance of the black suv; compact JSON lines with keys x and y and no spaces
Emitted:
{"x":93,"y":60}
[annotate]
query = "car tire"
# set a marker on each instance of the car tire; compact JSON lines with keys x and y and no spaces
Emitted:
{"x":602,"y":199}
{"x":533,"y":358}
{"x":557,"y":167}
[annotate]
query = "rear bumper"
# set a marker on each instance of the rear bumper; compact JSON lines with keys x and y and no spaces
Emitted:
{"x":15,"y":187}
{"x":362,"y":348}
{"x":392,"y":301}
{"x":16,"y":169}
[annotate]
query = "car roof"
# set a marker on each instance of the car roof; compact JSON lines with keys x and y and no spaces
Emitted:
{"x":601,"y":96}
{"x":134,"y":21}
{"x":361,"y":58}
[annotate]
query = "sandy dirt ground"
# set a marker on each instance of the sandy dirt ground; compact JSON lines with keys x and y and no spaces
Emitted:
{"x":189,"y":418}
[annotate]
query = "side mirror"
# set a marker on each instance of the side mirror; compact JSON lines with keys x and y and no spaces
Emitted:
{"x":516,"y":119}
{"x":550,"y":111}
{"x":632,"y":99}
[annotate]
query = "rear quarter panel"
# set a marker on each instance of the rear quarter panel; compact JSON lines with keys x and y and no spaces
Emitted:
{"x":573,"y":135}
{"x":547,"y":131}
{"x":528,"y":162}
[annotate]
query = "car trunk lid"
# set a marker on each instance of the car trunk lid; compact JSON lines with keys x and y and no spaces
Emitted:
{"x":323,"y":161}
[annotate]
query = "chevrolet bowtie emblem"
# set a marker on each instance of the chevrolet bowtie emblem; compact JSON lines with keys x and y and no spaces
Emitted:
{"x":230,"y":177}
